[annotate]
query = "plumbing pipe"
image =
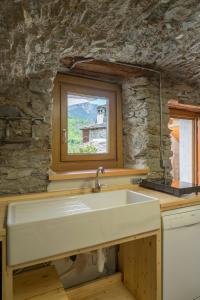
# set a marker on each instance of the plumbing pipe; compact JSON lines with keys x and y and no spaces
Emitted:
{"x":101,"y":259}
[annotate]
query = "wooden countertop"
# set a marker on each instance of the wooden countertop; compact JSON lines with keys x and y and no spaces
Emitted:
{"x":167,"y":202}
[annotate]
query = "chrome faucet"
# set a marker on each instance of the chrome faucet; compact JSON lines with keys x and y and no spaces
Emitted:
{"x":97,"y":187}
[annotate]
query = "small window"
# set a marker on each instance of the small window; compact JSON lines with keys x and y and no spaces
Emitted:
{"x":182,"y":146}
{"x":86,"y":124}
{"x":184,"y":124}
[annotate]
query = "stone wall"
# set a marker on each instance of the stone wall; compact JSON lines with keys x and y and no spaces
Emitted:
{"x":179,"y":90}
{"x":35,"y":34}
{"x":135,"y":93}
{"x":25,"y":164}
{"x":141,"y":121}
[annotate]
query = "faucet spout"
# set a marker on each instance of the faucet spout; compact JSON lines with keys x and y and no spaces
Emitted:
{"x":97,"y":187}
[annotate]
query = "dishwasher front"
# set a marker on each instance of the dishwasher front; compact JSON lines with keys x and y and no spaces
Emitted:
{"x":181,"y":254}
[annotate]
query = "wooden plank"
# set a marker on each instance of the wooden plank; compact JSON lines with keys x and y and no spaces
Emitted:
{"x":107,"y":288}
{"x":167,"y":201}
{"x":179,"y":203}
{"x":92,"y":75}
{"x":104,"y":67}
{"x":159,"y":265}
{"x":30,"y":284}
{"x":139,"y":267}
{"x":92,"y":174}
{"x":88,"y":289}
{"x":58,"y":294}
{"x":7,"y":274}
{"x":7,"y":284}
{"x":3,"y":209}
{"x":198,"y":151}
{"x":183,"y":107}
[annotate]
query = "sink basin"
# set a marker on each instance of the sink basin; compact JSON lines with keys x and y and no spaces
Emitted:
{"x":42,"y":228}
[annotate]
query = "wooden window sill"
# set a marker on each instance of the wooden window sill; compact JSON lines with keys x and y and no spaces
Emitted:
{"x":92,"y":173}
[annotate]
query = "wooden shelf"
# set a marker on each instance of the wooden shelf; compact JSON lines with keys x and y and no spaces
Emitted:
{"x":107,"y":288}
{"x":44,"y":284}
{"x":40,"y":284}
{"x":92,"y":173}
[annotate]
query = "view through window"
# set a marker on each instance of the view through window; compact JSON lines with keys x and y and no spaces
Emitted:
{"x":182,"y":148}
{"x":87,"y":124}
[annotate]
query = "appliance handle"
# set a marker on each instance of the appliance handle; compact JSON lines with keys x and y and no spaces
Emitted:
{"x":183,"y":226}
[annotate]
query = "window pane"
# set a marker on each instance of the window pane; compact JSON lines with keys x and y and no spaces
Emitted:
{"x":87,"y":122}
{"x":182,"y":148}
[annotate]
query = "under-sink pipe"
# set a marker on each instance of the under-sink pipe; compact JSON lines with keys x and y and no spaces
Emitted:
{"x":101,"y":259}
{"x":83,"y":60}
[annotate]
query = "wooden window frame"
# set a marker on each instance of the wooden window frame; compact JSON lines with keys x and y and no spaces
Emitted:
{"x":60,"y":160}
{"x":190,"y":113}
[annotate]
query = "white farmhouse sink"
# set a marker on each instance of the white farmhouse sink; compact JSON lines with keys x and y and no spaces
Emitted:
{"x":42,"y":228}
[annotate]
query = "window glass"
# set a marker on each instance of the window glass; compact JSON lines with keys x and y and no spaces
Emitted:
{"x":87,"y":124}
{"x":182,"y":148}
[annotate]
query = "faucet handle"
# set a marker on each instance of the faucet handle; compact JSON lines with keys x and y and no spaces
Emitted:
{"x":101,"y":169}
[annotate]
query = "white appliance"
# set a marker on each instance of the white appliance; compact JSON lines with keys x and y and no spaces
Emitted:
{"x":181,"y":254}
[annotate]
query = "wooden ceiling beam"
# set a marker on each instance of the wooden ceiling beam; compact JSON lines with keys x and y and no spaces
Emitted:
{"x":100,"y":69}
{"x":174,"y":104}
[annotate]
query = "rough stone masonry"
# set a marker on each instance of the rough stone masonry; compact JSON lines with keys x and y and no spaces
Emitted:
{"x":35,"y":34}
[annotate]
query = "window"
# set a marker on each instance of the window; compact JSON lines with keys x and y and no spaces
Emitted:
{"x":182,"y":147}
{"x":87,"y":129}
{"x":184,"y":124}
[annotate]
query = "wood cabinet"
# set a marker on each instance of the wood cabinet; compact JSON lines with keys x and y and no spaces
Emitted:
{"x":138,"y":276}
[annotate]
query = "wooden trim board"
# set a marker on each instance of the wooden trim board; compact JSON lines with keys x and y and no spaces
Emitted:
{"x":42,"y":284}
{"x":7,"y":274}
{"x":107,"y":288}
{"x":103,"y":69}
{"x":174,"y":104}
{"x":141,"y":267}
